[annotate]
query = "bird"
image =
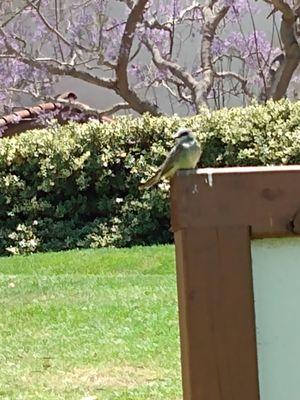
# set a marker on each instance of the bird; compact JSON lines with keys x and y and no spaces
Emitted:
{"x":184,"y":155}
{"x":67,"y":96}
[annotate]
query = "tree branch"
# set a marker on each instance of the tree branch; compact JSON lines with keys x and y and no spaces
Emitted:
{"x":280,"y":78}
{"x":61,"y":69}
{"x":122,"y":83}
{"x":284,"y":7}
{"x":173,"y":67}
{"x":15,"y":14}
{"x":243,"y":81}
{"x":87,"y":110}
{"x":212,"y":18}
{"x":55,"y":31}
{"x":135,"y":16}
{"x":115,"y":108}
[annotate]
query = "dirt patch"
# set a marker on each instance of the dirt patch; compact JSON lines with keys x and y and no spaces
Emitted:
{"x":113,"y":377}
{"x":118,"y":377}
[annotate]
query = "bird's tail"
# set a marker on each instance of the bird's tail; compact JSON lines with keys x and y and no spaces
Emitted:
{"x":150,"y":182}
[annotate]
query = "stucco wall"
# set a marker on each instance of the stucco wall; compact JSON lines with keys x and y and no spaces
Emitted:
{"x":276,"y":273}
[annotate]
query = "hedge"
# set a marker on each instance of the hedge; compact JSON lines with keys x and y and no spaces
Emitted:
{"x":77,"y":185}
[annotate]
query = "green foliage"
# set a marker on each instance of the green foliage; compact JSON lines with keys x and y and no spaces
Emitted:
{"x":77,"y":185}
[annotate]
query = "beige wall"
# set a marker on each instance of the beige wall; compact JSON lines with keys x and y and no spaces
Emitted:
{"x":276,"y":272}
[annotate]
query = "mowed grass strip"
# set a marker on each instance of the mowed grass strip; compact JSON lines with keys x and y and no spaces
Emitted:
{"x":92,"y":324}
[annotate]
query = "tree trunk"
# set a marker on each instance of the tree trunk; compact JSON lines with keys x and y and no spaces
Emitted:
{"x":280,"y":78}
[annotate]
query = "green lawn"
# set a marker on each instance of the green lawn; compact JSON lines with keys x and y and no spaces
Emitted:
{"x":93,"y":324}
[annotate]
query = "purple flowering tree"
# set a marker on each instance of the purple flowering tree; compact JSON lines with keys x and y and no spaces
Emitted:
{"x":206,"y":53}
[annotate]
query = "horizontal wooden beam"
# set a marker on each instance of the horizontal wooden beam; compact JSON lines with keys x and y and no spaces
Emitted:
{"x":267,"y":199}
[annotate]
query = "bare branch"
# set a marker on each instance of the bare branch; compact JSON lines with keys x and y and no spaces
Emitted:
{"x":195,"y":6}
{"x":21,"y":91}
{"x":48,"y":25}
{"x":279,"y":79}
{"x":257,"y":53}
{"x":55,"y":31}
{"x":15,"y":14}
{"x":284,"y":7}
{"x":170,"y":90}
{"x":212,"y":19}
{"x":87,"y":110}
{"x":243,"y":81}
{"x":122,"y":84}
{"x":199,"y":89}
{"x":57,"y":28}
{"x":115,"y":108}
{"x":157,"y":25}
{"x":61,"y":69}
{"x":181,"y":18}
{"x":134,"y":18}
{"x":173,"y":67}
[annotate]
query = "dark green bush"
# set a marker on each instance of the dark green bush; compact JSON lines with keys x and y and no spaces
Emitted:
{"x":77,"y":185}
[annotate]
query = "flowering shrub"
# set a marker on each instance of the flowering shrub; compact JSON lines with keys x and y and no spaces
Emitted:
{"x":77,"y":185}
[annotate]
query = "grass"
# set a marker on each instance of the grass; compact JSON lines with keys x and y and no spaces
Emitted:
{"x":93,"y":324}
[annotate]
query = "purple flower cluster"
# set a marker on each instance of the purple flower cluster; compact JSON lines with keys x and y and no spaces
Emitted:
{"x":253,"y":50}
{"x":90,"y":35}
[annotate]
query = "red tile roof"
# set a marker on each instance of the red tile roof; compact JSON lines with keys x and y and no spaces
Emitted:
{"x":64,"y":110}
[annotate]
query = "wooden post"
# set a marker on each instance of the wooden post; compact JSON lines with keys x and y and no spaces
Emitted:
{"x":215,"y":214}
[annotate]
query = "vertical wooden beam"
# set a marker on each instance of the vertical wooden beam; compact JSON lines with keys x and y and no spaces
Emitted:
{"x":216,"y":311}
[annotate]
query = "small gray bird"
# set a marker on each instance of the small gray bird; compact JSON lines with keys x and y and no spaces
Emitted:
{"x":184,"y":155}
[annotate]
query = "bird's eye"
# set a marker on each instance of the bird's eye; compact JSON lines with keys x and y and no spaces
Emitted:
{"x":181,"y":134}
{"x":184,"y":133}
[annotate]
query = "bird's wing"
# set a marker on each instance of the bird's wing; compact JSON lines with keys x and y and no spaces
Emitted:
{"x":150,"y":182}
{"x":167,"y":167}
{"x":171,"y":160}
